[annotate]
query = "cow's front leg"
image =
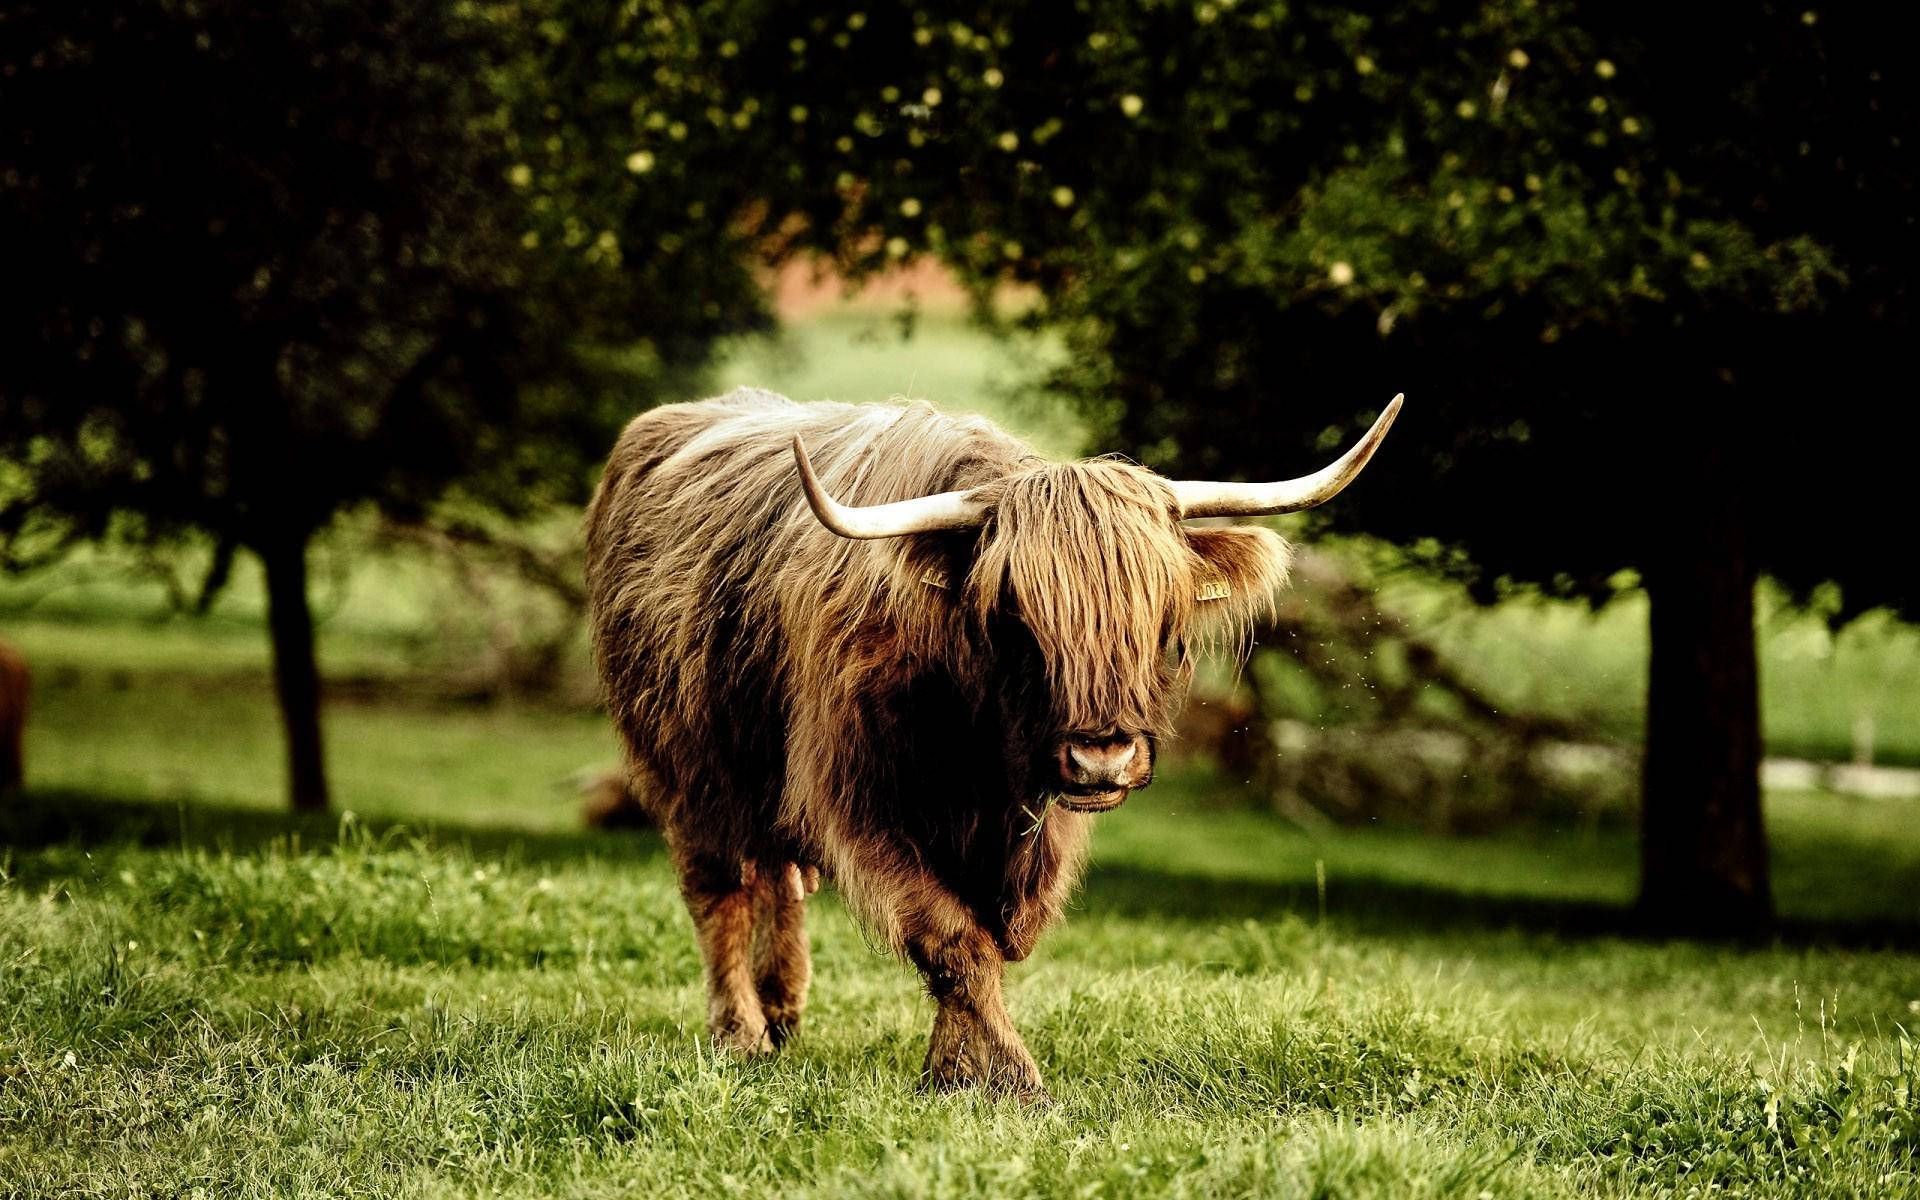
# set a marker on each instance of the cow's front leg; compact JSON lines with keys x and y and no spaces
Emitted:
{"x":974,"y":1043}
{"x":719,"y":896}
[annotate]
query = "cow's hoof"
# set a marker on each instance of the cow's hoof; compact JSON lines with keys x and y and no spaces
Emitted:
{"x":1016,"y":1081}
{"x":1023,"y":1088}
{"x":937,"y":1083}
{"x":1002,"y":1080}
{"x":948,"y":1073}
{"x":782,"y":1006}
{"x":782,"y":1029}
{"x":748,"y":1040}
{"x":1028,"y":1095}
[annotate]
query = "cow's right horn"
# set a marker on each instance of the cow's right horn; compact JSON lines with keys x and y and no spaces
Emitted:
{"x":927,"y":514}
{"x":1211,"y":498}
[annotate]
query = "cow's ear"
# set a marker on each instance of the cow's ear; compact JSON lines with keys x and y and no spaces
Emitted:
{"x":1241,"y":570}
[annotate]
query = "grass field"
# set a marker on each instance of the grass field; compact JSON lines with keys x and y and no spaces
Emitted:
{"x":210,"y":1001}
{"x":199,"y":996}
{"x":457,"y":992}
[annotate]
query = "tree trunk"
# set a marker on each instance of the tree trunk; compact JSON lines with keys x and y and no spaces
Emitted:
{"x":1703,"y":843}
{"x":296,"y":674}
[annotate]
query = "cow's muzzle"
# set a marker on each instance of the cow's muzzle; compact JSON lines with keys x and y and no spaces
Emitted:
{"x":1097,"y":771}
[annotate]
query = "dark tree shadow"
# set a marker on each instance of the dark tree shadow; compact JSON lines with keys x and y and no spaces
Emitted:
{"x":1386,"y":908}
{"x":45,"y":818}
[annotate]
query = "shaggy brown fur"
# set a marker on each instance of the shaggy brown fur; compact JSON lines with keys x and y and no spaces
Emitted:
{"x":13,"y":716}
{"x":885,"y":710}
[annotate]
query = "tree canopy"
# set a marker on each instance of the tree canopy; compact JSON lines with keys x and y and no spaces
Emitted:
{"x":269,"y":264}
{"x":1641,"y":270}
{"x":1613,"y":252}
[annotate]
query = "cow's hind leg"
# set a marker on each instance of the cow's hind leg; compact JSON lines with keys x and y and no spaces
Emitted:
{"x":974,"y":1043}
{"x":719,"y":896}
{"x":782,"y":965}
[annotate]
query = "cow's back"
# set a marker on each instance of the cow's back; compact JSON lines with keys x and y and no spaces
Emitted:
{"x":13,"y":715}
{"x":697,"y":523}
{"x":667,"y":593}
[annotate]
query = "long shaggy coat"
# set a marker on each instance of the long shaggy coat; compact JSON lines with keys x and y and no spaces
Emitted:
{"x":792,"y":701}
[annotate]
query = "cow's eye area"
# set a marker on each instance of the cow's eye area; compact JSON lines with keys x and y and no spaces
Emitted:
{"x":1173,"y":648}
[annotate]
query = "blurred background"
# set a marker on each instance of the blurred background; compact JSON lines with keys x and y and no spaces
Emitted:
{"x":319,"y":319}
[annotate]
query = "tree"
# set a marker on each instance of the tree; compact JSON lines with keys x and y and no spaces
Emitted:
{"x":270,"y":264}
{"x":1612,"y":252}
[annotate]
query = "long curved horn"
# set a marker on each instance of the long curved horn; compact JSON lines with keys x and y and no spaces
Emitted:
{"x":927,"y":514}
{"x":1209,"y":498}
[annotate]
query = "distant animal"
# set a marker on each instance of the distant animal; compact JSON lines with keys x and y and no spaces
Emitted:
{"x":609,"y":801}
{"x":921,"y":667}
{"x":13,"y":716}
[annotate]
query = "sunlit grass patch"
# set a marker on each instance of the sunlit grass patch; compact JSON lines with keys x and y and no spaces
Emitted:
{"x":468,"y":1013}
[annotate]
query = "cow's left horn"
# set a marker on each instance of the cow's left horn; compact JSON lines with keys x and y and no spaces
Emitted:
{"x":928,"y":514}
{"x":1209,"y":498}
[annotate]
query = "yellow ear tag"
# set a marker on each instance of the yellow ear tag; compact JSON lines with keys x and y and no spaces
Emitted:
{"x":1212,"y":589}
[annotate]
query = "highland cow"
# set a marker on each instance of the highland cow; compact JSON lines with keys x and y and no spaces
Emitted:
{"x":920,"y":671}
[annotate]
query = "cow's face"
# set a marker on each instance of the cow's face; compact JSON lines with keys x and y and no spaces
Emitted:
{"x":1091,"y":596}
{"x":1088,"y":593}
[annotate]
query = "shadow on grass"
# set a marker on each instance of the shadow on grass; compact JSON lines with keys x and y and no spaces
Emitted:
{"x":1365,"y":905}
{"x":1388,"y":907}
{"x":55,"y":818}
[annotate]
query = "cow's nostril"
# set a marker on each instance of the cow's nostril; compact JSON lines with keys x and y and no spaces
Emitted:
{"x":1104,"y":761}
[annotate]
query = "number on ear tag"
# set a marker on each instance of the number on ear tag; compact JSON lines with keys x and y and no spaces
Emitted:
{"x":1213,"y":589}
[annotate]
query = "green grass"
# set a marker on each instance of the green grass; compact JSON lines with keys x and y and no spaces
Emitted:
{"x":206,"y":731}
{"x":1562,"y":659}
{"x":201,"y":996}
{"x":863,"y":357}
{"x":207,"y":1000}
